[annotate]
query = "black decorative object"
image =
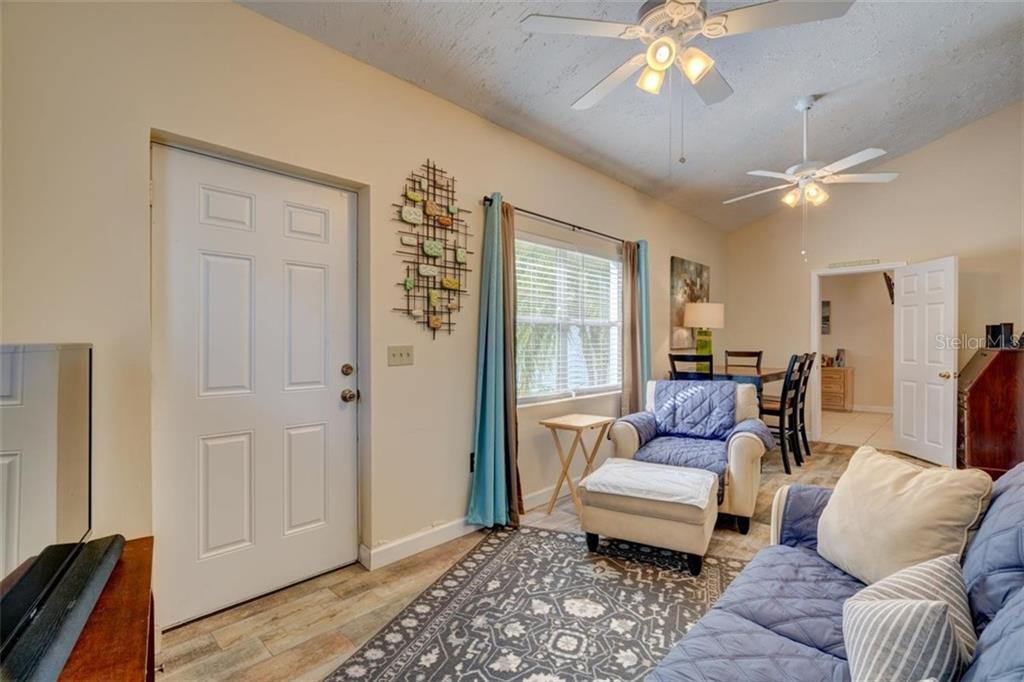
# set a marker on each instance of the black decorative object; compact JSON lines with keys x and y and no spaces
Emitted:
{"x":434,"y":246}
{"x":999,"y":335}
{"x":40,"y":652}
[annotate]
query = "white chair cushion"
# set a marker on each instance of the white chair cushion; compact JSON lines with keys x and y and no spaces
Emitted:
{"x":655,"y":482}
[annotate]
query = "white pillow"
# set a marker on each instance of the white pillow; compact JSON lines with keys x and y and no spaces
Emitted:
{"x":914,"y":624}
{"x":886,"y":514}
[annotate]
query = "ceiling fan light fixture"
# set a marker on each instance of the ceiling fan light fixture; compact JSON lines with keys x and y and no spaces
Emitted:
{"x":792,"y":197}
{"x":696,"y":63}
{"x":815,"y":194}
{"x":651,"y":80}
{"x":661,"y":54}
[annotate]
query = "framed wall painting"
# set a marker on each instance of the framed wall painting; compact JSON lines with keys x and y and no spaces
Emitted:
{"x":826,"y":317}
{"x":690,"y":283}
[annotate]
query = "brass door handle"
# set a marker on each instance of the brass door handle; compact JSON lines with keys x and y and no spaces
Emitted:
{"x":348,"y":396}
{"x":944,"y":375}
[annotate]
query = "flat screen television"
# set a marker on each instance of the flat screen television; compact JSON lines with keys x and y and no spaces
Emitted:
{"x":45,"y":504}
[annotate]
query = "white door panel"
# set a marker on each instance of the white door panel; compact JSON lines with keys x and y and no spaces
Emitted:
{"x":254,"y":480}
{"x":925,"y":321}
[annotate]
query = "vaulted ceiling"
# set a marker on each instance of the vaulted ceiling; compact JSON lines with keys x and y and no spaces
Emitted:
{"x":894,"y":75}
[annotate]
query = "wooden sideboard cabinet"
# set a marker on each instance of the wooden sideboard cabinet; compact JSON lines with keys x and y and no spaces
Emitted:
{"x":837,"y":388}
{"x":990,"y":411}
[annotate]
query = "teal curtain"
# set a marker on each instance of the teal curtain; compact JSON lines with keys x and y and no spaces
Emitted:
{"x":645,"y":313}
{"x":488,"y":501}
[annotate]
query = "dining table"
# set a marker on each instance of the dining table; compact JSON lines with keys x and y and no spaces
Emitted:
{"x":750,"y":375}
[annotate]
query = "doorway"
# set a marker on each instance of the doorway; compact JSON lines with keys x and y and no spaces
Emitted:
{"x":924,"y":361}
{"x":857,"y":359}
{"x":253,"y":318}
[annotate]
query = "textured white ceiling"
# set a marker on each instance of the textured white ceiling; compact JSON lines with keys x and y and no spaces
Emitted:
{"x":895,"y":75}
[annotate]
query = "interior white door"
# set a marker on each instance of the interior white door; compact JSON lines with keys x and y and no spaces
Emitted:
{"x":254,"y":470}
{"x":925,"y":360}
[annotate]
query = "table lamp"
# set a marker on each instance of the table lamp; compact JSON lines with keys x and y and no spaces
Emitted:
{"x":703,"y":317}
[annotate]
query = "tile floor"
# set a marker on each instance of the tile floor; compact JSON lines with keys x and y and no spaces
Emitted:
{"x":857,"y":428}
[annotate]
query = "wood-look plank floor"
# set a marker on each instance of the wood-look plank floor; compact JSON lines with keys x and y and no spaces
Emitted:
{"x":305,"y":631}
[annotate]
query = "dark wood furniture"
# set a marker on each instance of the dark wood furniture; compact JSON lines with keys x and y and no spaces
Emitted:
{"x":117,"y":642}
{"x":990,"y":411}
{"x":784,"y":411}
{"x":765,"y":375}
{"x":736,"y":358}
{"x":801,"y":402}
{"x":702,"y":371}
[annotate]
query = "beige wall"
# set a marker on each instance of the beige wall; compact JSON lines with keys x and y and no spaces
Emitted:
{"x":862,"y":325}
{"x":86,"y":84}
{"x":960,"y":195}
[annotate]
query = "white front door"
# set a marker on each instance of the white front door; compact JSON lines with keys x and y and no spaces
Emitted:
{"x":925,"y":360}
{"x":254,"y":469}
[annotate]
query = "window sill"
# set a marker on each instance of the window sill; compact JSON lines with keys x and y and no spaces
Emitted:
{"x":558,"y":401}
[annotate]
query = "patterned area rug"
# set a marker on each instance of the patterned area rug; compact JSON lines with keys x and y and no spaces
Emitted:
{"x":535,"y":605}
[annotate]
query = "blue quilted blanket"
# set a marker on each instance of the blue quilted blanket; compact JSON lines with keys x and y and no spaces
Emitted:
{"x":695,"y":409}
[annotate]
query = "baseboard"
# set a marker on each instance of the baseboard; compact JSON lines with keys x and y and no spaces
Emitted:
{"x":541,"y":497}
{"x":389,"y":552}
{"x":395,"y":550}
{"x":878,"y":409}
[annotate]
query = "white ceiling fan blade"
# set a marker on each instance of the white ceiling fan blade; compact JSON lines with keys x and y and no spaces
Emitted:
{"x":712,"y":87}
{"x":860,"y":177}
{"x":543,"y":23}
{"x":852,"y":160}
{"x":609,"y":83}
{"x":763,"y":191}
{"x":774,"y":14}
{"x":773,"y":174}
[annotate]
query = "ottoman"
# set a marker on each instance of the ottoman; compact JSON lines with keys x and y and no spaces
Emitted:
{"x":654,"y":504}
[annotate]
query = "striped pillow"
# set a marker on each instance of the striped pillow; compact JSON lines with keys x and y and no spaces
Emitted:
{"x":911,"y":625}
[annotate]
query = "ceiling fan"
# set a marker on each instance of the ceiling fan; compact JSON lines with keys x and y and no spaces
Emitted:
{"x":807,"y":177}
{"x":666,"y":27}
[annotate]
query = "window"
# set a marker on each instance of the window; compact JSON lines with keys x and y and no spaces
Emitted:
{"x":568,"y":321}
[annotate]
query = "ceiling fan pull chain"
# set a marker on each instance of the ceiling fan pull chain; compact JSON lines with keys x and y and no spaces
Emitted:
{"x":682,"y":126}
{"x":803,"y":236}
{"x":805,"y":133}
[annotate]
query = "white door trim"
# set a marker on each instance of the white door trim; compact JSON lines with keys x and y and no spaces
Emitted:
{"x":814,"y":387}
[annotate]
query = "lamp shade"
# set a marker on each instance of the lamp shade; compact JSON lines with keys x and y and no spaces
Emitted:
{"x":704,"y":315}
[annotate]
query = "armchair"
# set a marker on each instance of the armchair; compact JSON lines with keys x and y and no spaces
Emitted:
{"x":719,"y":432}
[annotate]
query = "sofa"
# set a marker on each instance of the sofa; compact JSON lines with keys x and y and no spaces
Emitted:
{"x":714,"y":438}
{"x":781,"y":619}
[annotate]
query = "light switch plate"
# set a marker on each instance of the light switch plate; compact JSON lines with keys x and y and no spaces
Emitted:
{"x":399,"y":355}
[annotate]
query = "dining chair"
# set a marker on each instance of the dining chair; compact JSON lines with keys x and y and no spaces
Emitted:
{"x":702,"y":360}
{"x":801,"y":406}
{"x":783,"y":410}
{"x":732,"y":356}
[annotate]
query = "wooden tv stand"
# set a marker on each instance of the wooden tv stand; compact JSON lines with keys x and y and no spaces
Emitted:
{"x":117,"y":642}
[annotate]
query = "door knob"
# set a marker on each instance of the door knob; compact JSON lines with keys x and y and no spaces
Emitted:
{"x":347,"y":369}
{"x":348,"y":395}
{"x":944,"y":375}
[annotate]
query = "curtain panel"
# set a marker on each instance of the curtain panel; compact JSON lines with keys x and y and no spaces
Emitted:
{"x":636,"y":352}
{"x":496,"y":496}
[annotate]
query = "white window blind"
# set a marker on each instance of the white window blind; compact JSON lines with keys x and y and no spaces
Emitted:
{"x":568,"y":321}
